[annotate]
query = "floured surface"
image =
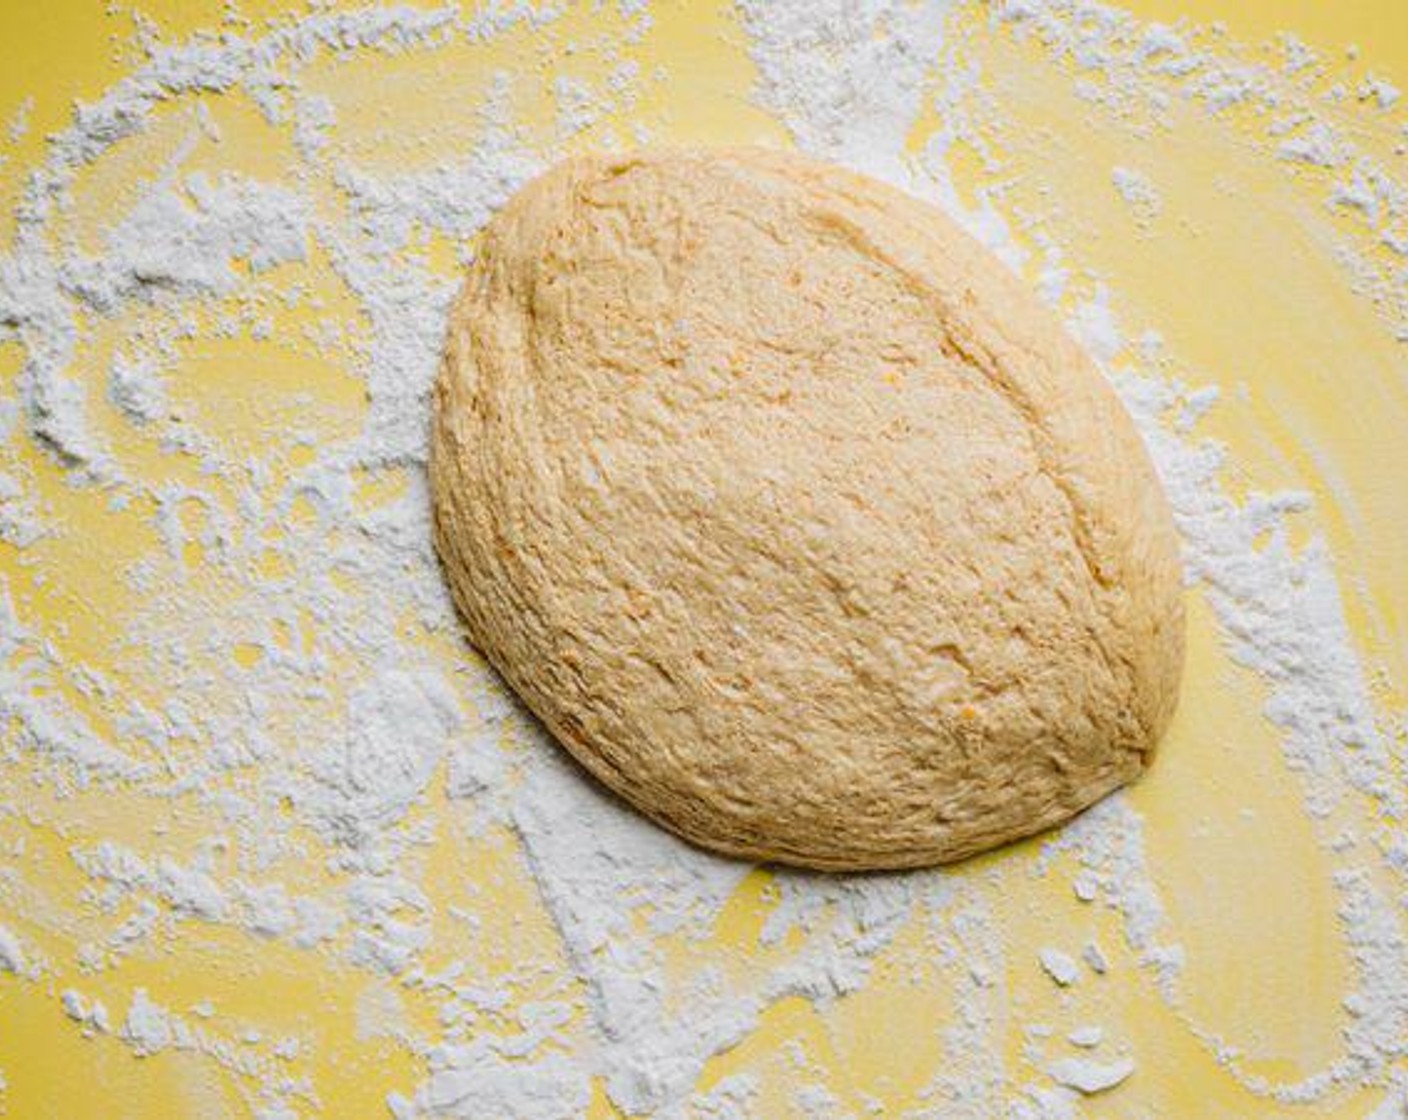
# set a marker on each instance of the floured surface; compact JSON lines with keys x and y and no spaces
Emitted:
{"x":266,"y":821}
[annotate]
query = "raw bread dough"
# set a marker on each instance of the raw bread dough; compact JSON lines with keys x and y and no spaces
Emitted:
{"x":794,"y":515}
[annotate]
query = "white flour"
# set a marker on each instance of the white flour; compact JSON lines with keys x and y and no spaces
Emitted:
{"x":11,"y":954}
{"x":350,"y":750}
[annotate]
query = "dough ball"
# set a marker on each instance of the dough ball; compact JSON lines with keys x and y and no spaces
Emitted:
{"x":795,"y":517}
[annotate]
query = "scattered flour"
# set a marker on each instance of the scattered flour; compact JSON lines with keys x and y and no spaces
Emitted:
{"x":733,"y":1097}
{"x":1088,"y":1077}
{"x":1136,"y":189}
{"x":1381,"y":91}
{"x":91,"y":1014}
{"x":1060,"y":967}
{"x":1086,"y":1037}
{"x":12,"y":957}
{"x":147,"y":1028}
{"x":19,"y":123}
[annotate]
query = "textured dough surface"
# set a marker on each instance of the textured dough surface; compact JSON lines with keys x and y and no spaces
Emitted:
{"x":795,"y":517}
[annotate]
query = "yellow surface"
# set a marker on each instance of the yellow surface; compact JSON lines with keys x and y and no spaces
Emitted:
{"x":1249,"y":896}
